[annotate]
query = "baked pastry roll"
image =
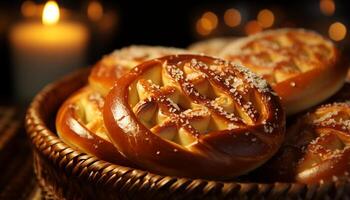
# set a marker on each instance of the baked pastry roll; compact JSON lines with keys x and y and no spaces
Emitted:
{"x":79,"y":123}
{"x":298,"y":64}
{"x":194,"y":116}
{"x":114,"y":65}
{"x":211,"y":47}
{"x":316,"y":148}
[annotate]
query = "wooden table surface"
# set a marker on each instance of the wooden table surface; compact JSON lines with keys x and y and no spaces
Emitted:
{"x":17,"y":180}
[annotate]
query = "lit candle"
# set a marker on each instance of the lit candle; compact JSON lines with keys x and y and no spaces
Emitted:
{"x":42,"y":52}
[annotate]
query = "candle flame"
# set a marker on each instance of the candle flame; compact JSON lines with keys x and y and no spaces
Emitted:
{"x":51,"y":13}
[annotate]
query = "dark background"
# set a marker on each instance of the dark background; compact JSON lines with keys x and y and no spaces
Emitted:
{"x":169,"y":23}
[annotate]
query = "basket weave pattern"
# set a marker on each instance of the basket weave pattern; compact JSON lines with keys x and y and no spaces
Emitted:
{"x":65,"y":173}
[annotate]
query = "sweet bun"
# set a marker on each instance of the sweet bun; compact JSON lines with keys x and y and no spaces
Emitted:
{"x":114,"y":65}
{"x":79,"y":123}
{"x":211,"y":47}
{"x":303,"y":67}
{"x":194,"y":116}
{"x":316,"y":148}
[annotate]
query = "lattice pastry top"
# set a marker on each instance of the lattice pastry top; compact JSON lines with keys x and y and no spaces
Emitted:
{"x":194,"y":116}
{"x":79,"y":123}
{"x":316,"y":147}
{"x":114,"y":65}
{"x":296,"y":62}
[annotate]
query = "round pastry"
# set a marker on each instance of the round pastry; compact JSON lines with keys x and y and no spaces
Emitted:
{"x":211,"y":47}
{"x":114,"y":65}
{"x":316,"y":148}
{"x":79,"y":123}
{"x":298,"y":64}
{"x":194,"y":116}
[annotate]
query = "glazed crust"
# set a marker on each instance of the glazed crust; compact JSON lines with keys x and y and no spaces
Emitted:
{"x":316,"y":148}
{"x":244,"y":141}
{"x":298,"y":64}
{"x":88,"y":134}
{"x":80,"y":131}
{"x":211,"y":47}
{"x":114,"y":65}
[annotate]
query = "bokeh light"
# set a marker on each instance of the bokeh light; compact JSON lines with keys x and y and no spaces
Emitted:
{"x":207,"y":23}
{"x":337,"y":31}
{"x":28,"y":9}
{"x":252,"y":27}
{"x":211,"y":18}
{"x":327,"y":7}
{"x":95,"y":10}
{"x":266,"y":18}
{"x":232,"y":17}
{"x":202,"y":27}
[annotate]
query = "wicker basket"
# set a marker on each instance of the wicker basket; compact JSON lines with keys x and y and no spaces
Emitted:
{"x":64,"y":173}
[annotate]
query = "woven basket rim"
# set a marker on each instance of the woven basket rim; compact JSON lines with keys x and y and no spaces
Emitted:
{"x":48,"y":143}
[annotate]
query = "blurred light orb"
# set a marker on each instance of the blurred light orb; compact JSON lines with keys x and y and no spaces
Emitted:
{"x":252,"y":27}
{"x":337,"y":31}
{"x":108,"y":22}
{"x":95,"y":10}
{"x":211,"y":19}
{"x":232,"y":17}
{"x":207,"y":23}
{"x":28,"y":9}
{"x":202,"y":28}
{"x":266,"y":18}
{"x":327,"y":7}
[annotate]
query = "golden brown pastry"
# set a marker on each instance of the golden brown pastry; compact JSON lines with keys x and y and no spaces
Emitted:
{"x":299,"y":64}
{"x":112,"y":66}
{"x":194,"y":116}
{"x":211,"y":47}
{"x":79,"y":123}
{"x":316,"y":147}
